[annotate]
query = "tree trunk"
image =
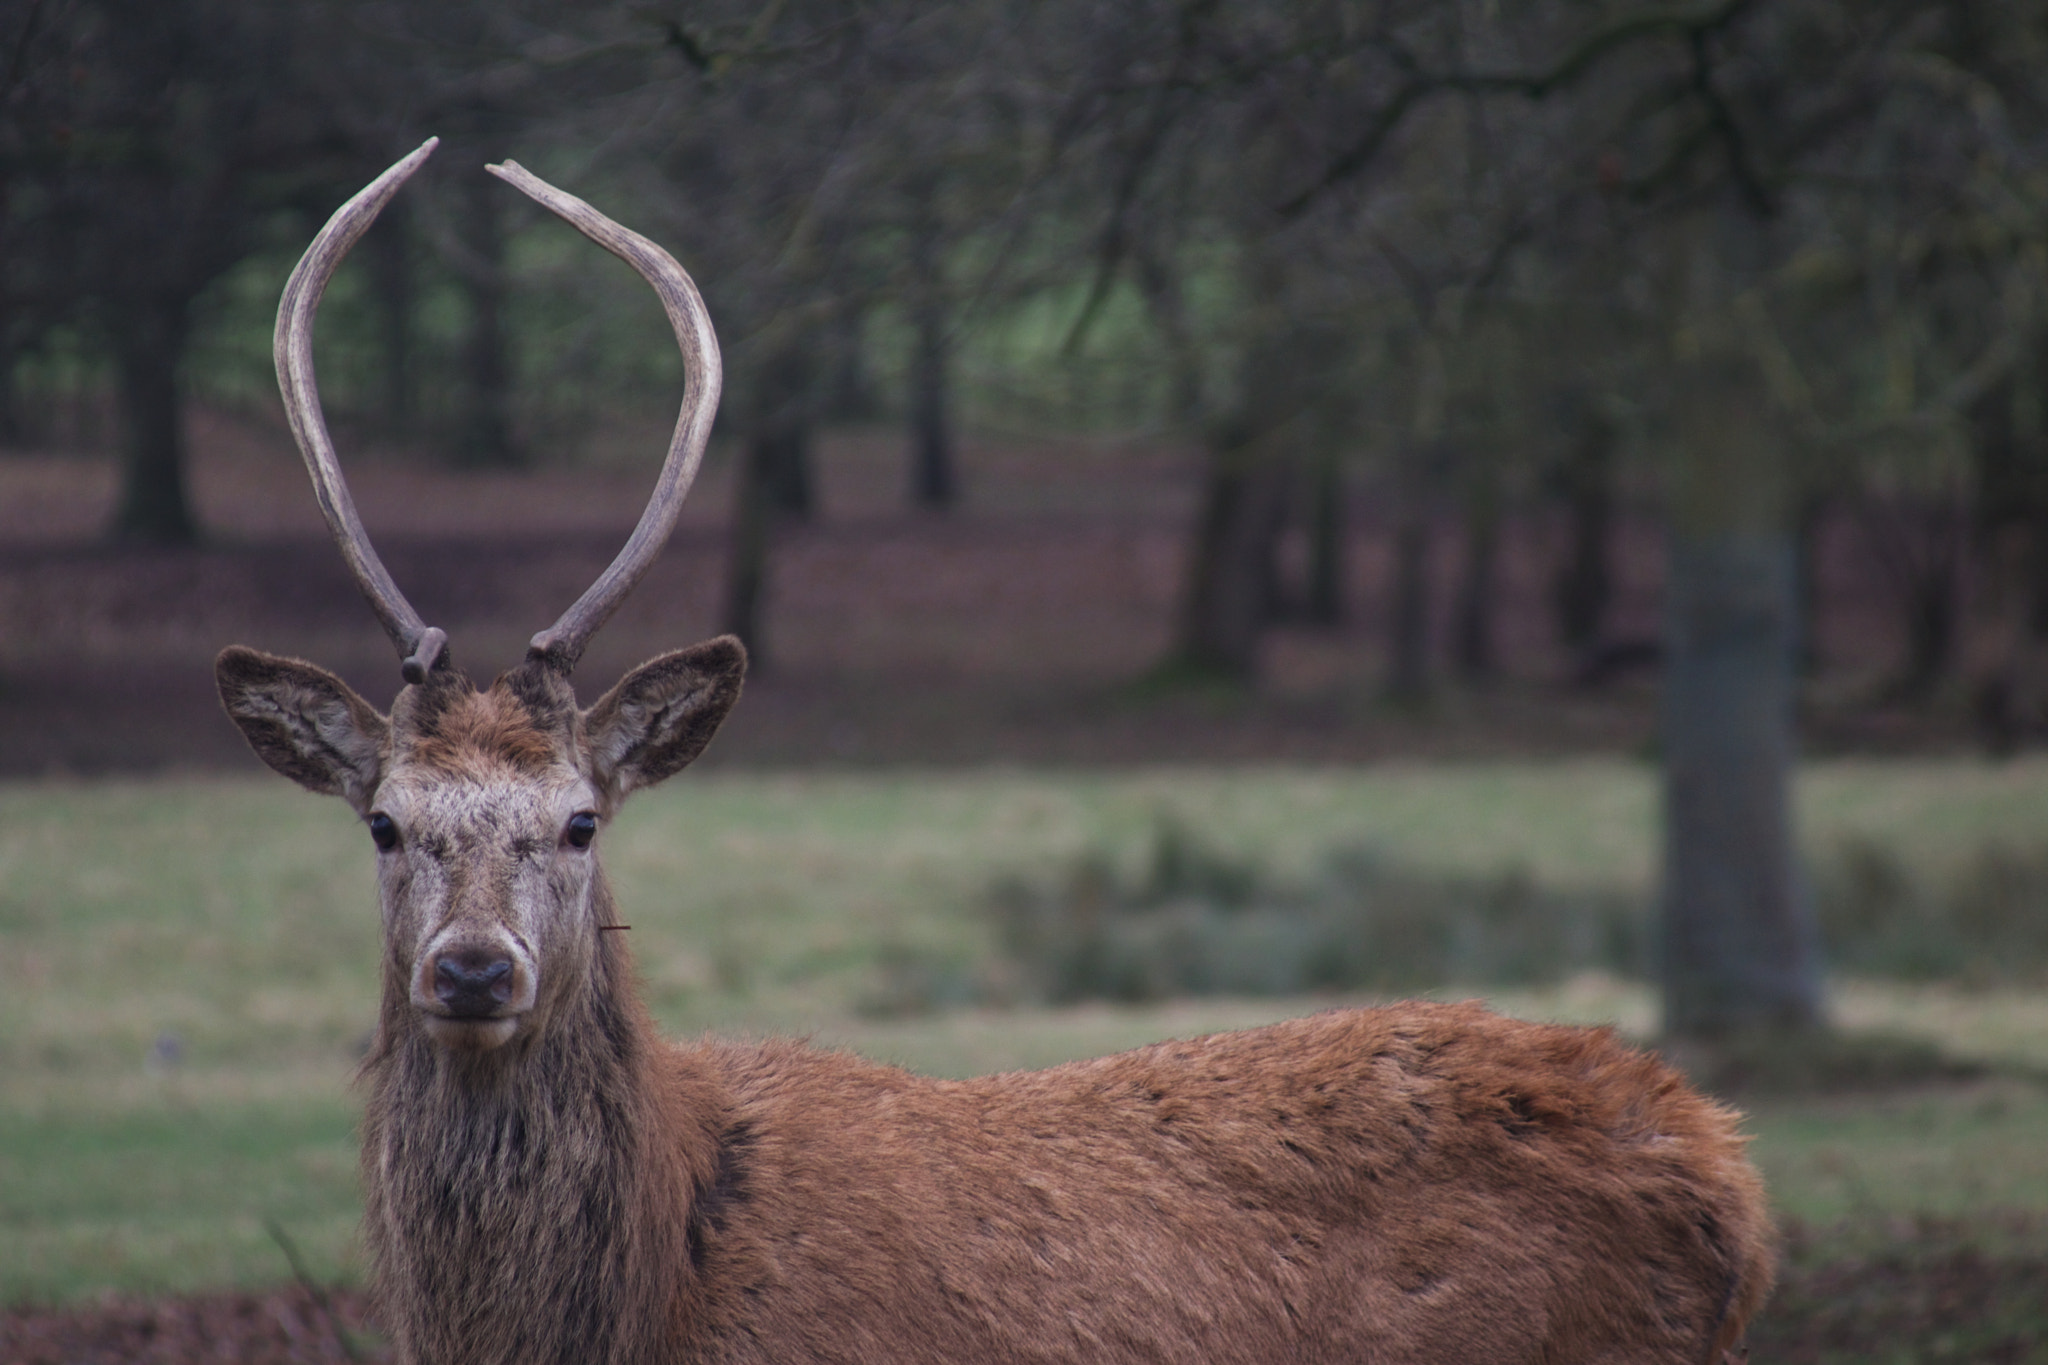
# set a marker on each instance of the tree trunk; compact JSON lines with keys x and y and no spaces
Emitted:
{"x":1806,"y":539}
{"x":1229,"y":598}
{"x":1930,"y":620}
{"x":746,"y":574}
{"x":1229,"y":581}
{"x":849,"y":394}
{"x":2037,"y":573}
{"x":390,"y":259}
{"x":1408,"y":607}
{"x":933,"y":481}
{"x":786,"y":468}
{"x":1326,"y":544}
{"x":780,"y":403}
{"x":1740,"y":949}
{"x":2011,"y":702}
{"x":778,"y":399}
{"x":932,"y":476}
{"x":1932,"y":604}
{"x":2027,"y":686}
{"x":1408,"y":633}
{"x":1163,"y":300}
{"x":153,"y":507}
{"x":486,"y":440}
{"x":1920,"y":546}
{"x":2010,"y":459}
{"x":1473,"y":645}
{"x":1585,"y":583}
{"x":13,"y":423}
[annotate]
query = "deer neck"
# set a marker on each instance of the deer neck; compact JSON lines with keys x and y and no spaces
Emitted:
{"x":557,"y":1164}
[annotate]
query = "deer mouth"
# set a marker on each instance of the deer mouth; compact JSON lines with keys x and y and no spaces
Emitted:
{"x":471,"y":994}
{"x":471,"y":1034}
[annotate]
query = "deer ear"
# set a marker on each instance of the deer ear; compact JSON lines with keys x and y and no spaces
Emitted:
{"x":304,"y":722}
{"x":662,"y":714}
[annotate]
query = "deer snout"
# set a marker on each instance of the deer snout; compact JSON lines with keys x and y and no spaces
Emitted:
{"x":472,"y":988}
{"x":472,"y":982}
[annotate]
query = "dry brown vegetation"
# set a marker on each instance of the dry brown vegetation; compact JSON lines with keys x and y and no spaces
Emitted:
{"x":294,"y":1326}
{"x":1020,"y":627}
{"x":1933,"y":1293}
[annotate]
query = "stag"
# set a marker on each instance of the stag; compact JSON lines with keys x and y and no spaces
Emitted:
{"x":547,"y":1179}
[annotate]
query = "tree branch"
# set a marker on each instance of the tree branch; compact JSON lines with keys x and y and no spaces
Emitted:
{"x":19,"y":58}
{"x":1722,"y":120}
{"x":1115,"y":234}
{"x":1693,"y":24}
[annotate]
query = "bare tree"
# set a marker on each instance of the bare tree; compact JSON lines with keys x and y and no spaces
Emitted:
{"x":183,"y":127}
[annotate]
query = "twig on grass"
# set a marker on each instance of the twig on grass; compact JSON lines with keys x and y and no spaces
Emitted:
{"x":313,"y":1289}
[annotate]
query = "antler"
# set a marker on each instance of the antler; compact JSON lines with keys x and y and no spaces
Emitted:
{"x":703,"y":376}
{"x":421,"y":646}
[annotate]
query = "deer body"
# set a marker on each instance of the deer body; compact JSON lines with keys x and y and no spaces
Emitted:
{"x":1415,"y":1184}
{"x":547,"y":1180}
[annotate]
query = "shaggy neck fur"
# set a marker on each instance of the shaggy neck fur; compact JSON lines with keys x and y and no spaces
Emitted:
{"x":509,"y":1192}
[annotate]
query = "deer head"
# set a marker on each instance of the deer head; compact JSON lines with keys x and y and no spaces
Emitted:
{"x":486,"y":805}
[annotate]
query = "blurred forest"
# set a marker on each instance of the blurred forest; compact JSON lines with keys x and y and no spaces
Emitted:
{"x":1254,"y":387}
{"x":1765,"y":277}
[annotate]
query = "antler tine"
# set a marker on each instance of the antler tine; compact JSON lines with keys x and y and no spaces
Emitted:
{"x":562,"y":643}
{"x":420,"y":646}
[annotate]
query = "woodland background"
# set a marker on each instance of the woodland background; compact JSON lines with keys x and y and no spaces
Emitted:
{"x":1279,"y":391}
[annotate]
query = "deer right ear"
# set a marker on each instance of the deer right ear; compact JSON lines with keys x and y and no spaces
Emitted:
{"x":304,"y":722}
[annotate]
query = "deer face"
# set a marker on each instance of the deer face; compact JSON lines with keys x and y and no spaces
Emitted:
{"x":485,"y":866}
{"x":484,"y":809}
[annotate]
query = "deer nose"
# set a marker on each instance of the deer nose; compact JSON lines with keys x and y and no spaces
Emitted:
{"x":471,"y":983}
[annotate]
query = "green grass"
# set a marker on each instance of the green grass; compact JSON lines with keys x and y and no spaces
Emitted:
{"x":167,"y":1196}
{"x":233,"y":923}
{"x":1948,"y":1152}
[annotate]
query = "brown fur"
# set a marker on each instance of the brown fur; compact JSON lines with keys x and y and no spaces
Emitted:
{"x":1423,"y":1182}
{"x":480,"y":733}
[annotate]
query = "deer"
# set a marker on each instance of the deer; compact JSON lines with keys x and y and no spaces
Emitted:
{"x":547,"y":1179}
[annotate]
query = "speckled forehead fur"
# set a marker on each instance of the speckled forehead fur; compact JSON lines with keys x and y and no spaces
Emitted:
{"x":524,"y":724}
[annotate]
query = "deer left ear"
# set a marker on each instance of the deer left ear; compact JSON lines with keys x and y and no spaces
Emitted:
{"x":662,"y":714}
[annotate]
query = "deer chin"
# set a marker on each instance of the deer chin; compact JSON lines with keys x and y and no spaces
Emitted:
{"x":471,"y":1035}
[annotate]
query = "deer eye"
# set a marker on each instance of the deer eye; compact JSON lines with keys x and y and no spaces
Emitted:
{"x":582,"y":829}
{"x":384,"y":831}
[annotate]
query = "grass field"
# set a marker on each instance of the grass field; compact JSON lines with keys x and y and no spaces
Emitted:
{"x":187,"y":972}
